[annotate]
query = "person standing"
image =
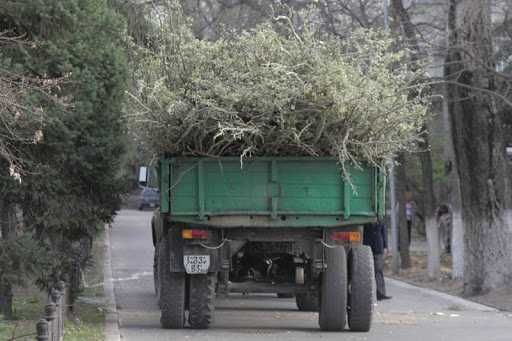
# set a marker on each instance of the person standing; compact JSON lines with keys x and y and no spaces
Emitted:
{"x":409,"y":216}
{"x":444,"y":221}
{"x":375,"y":236}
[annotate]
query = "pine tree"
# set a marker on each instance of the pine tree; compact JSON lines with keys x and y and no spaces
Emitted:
{"x":70,"y":176}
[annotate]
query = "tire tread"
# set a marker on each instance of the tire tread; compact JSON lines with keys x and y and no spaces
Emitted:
{"x":171,"y":290}
{"x":362,"y":293}
{"x":201,"y":301}
{"x":333,"y":295}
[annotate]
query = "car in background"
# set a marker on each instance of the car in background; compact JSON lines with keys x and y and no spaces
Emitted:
{"x":149,"y":198}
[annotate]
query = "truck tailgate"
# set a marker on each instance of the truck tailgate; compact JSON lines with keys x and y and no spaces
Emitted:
{"x":273,"y":191}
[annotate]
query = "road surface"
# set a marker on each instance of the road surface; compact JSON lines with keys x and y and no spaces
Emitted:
{"x":412,"y":314}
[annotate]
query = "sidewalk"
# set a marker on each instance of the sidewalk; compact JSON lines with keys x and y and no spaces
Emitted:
{"x":417,"y":275}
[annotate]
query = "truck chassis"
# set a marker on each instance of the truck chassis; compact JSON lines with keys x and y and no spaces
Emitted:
{"x":326,"y":269}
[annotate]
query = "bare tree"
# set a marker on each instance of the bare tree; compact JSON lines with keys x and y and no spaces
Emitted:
{"x":404,"y":24}
{"x":212,"y":17}
{"x":450,"y":170}
{"x":474,"y":104}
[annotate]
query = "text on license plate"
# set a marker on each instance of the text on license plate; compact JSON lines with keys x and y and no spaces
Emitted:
{"x":196,"y":264}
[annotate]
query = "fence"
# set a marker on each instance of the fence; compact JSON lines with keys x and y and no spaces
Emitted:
{"x":51,"y":327}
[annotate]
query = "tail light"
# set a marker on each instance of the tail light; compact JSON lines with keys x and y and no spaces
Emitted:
{"x":194,"y":234}
{"x":343,"y":236}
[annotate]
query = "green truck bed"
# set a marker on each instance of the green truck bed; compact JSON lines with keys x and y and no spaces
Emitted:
{"x":268,"y":192}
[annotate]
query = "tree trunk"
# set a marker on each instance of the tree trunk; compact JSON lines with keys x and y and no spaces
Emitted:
{"x":431,"y":227}
{"x":7,"y":229}
{"x":403,"y":244}
{"x":457,"y":231}
{"x":402,"y":22}
{"x":6,"y":300}
{"x":479,"y":149}
{"x":457,"y":244}
{"x":407,"y":28}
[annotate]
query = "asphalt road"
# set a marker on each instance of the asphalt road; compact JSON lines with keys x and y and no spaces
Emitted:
{"x":412,"y":314}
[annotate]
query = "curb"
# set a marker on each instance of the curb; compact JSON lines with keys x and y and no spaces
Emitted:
{"x":459,"y":301}
{"x":111,"y":316}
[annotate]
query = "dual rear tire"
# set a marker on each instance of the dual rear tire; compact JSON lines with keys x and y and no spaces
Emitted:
{"x":347,"y":290}
{"x":170,"y":290}
{"x":333,"y":291}
{"x":361,"y":289}
{"x":201,"y":300}
{"x":175,"y":296}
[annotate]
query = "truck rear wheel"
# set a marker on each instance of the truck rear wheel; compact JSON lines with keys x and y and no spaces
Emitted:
{"x":171,"y":289}
{"x":309,"y":301}
{"x":333,"y":295}
{"x":201,"y":300}
{"x":361,"y":290}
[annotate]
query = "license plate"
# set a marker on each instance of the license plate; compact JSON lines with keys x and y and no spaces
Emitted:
{"x":196,"y":264}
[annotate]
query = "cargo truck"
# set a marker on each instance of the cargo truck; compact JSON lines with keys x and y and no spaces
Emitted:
{"x":276,"y":225}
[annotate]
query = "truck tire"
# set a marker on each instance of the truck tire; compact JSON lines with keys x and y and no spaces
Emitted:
{"x":333,"y":295}
{"x":171,"y":290}
{"x":361,"y":290}
{"x":309,"y":301}
{"x":201,"y":300}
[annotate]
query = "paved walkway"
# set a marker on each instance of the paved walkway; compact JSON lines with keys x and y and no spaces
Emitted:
{"x":413,"y":314}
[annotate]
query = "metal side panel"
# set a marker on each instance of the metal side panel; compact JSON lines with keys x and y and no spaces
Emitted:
{"x":283,"y":191}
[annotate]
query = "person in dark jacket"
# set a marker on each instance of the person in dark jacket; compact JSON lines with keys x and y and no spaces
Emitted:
{"x":375,"y":236}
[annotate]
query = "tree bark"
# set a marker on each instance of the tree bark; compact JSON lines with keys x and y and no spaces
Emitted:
{"x":403,"y":244}
{"x":479,"y":149}
{"x":7,"y":229}
{"x":400,"y":25}
{"x":404,"y":24}
{"x":431,"y":227}
{"x":457,"y":236}
{"x":6,"y":297}
{"x":457,"y":243}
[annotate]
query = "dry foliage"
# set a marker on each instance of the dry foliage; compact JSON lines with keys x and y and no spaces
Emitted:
{"x":279,"y":91}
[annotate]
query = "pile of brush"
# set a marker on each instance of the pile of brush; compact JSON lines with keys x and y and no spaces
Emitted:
{"x":275,"y":91}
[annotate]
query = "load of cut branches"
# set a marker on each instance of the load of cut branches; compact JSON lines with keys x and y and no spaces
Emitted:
{"x":277,"y":91}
